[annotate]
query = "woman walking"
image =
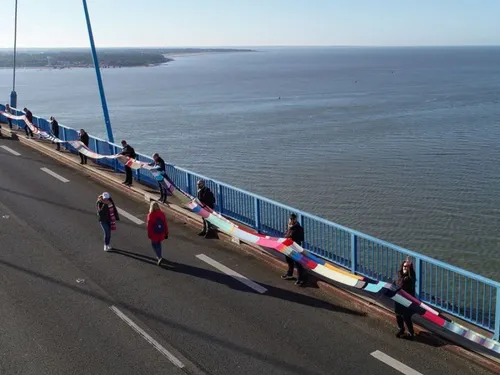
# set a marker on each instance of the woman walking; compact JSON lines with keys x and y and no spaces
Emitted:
{"x":157,"y":229}
{"x":406,"y":281}
{"x":108,"y":216}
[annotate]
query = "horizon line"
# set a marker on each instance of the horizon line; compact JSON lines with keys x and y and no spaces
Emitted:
{"x":267,"y":46}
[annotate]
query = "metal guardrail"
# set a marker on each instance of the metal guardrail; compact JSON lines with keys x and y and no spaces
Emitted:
{"x":460,"y":293}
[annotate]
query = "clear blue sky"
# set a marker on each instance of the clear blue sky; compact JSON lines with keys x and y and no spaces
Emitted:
{"x":61,"y":23}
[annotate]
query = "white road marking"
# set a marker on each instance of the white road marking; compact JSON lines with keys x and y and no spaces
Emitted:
{"x":55,"y":175}
{"x":131,"y":217}
{"x":147,"y":337}
{"x":11,"y":150}
{"x":395,"y":364}
{"x":234,"y":274}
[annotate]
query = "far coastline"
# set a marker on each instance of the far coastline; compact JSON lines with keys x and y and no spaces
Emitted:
{"x":108,"y":57}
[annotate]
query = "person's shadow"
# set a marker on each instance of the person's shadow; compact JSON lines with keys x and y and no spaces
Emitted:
{"x":221,"y":278}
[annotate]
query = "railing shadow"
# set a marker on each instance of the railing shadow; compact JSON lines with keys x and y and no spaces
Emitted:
{"x":213,"y":276}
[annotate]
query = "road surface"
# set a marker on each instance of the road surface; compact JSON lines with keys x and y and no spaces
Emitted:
{"x":68,"y":307}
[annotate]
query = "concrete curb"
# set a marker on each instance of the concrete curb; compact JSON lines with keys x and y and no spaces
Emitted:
{"x":183,"y":216}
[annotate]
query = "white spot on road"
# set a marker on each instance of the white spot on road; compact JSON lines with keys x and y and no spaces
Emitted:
{"x":131,"y":217}
{"x":233,"y":274}
{"x":54,"y":174}
{"x":147,"y":337}
{"x":395,"y":364}
{"x":13,"y":152}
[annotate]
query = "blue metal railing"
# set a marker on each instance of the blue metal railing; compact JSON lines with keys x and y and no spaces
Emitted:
{"x":460,"y":293}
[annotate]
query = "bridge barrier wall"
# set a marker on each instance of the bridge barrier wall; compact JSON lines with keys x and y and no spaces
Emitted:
{"x":460,"y":293}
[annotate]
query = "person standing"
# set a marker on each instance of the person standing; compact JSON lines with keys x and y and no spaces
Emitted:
{"x":129,"y":152}
{"x":55,"y":131}
{"x":8,"y":110}
{"x":296,"y":233}
{"x":157,"y":229}
{"x":206,"y":197}
{"x":158,"y":164}
{"x":406,"y":281}
{"x":84,"y":138}
{"x":29,"y":117}
{"x":108,"y":216}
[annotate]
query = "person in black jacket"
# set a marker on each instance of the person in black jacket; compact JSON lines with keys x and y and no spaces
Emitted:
{"x":206,"y":197}
{"x":406,"y":281}
{"x":8,"y":110}
{"x":84,"y":138}
{"x":55,"y":131}
{"x":29,"y":117}
{"x":159,"y":165}
{"x":130,"y":152}
{"x":108,"y":216}
{"x":296,"y":233}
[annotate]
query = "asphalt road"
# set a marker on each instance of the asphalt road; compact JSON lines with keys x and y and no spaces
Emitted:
{"x":68,"y":307}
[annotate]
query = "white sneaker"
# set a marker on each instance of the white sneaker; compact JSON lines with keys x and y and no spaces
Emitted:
{"x":105,"y":247}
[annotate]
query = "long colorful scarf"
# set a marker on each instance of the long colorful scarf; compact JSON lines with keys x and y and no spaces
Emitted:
{"x":287,"y":247}
{"x":333,"y":273}
{"x":112,"y":215}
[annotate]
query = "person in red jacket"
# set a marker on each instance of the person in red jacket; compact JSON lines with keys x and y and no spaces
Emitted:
{"x":157,"y":229}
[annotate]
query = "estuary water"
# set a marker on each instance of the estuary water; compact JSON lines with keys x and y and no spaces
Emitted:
{"x":399,"y":143}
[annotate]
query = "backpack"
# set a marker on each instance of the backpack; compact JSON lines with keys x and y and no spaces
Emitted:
{"x":159,"y":226}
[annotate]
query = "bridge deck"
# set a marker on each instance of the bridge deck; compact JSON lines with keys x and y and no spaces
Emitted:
{"x":57,"y":286}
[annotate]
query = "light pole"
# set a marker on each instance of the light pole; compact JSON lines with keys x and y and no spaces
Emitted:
{"x":98,"y":74}
{"x":13,"y":94}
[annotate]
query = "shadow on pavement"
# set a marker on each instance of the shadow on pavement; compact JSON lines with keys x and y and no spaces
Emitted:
{"x":428,"y":338}
{"x":213,"y":340}
{"x":221,"y":278}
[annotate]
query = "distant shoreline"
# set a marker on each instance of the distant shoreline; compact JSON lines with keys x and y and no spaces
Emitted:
{"x":108,"y":59}
{"x":186,"y":54}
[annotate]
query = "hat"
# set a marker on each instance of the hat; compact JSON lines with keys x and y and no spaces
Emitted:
{"x":106,"y":195}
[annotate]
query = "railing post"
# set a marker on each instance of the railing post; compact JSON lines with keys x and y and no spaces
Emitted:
{"x":418,"y":274}
{"x":354,"y":252}
{"x":96,"y":149}
{"x":220,"y":204}
{"x":113,"y":151}
{"x":65,"y":138}
{"x":256,"y":206}
{"x":496,"y":336}
{"x":300,"y":219}
{"x":188,"y":183}
{"x":137,"y":171}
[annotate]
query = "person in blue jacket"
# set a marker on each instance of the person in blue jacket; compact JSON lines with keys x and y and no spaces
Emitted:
{"x":158,"y":164}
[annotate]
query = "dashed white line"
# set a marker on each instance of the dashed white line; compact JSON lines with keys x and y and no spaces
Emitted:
{"x":233,"y":274}
{"x":147,"y":337}
{"x":131,"y":217}
{"x":395,"y":364}
{"x":55,"y":175}
{"x":13,"y":152}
